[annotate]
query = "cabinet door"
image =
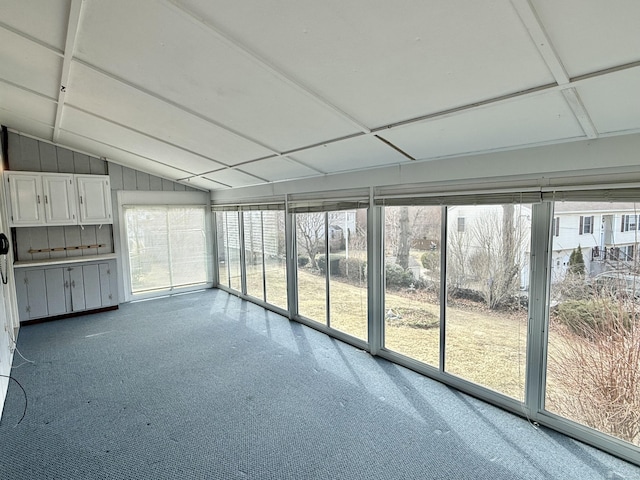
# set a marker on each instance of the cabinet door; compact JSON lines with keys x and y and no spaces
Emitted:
{"x":105,"y":285}
{"x":56,"y":291}
{"x":94,"y":198}
{"x":36,"y":293}
{"x":91,"y":279}
{"x":25,"y":197}
{"x":59,"y":199}
{"x":76,"y":282}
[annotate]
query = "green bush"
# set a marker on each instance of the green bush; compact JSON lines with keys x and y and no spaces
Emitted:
{"x":590,"y":317}
{"x":431,"y":260}
{"x":302,"y":260}
{"x":334,"y":264}
{"x":397,"y":277}
{"x":353,"y":268}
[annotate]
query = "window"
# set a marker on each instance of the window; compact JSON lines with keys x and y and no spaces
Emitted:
{"x":461,"y":224}
{"x":629,"y":223}
{"x":556,"y":227}
{"x":586,"y":225}
{"x":167,"y":247}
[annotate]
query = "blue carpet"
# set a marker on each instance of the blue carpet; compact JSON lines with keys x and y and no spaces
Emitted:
{"x":207,"y":386}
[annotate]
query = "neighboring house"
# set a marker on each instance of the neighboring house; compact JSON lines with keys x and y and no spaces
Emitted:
{"x":606,"y":232}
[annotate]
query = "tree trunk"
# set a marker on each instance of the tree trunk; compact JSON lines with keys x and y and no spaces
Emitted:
{"x":404,"y":239}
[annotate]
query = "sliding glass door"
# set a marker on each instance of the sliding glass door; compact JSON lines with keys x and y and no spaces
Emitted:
{"x":593,"y":361}
{"x":167,"y":247}
{"x":331,"y":269}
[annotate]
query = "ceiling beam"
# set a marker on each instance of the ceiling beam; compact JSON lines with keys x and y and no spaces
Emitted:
{"x":265,"y":64}
{"x":536,"y":30}
{"x":69,"y":46}
{"x":532,"y":23}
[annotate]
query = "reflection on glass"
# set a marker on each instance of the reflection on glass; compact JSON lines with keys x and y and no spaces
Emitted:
{"x":275,"y":267}
{"x":221,"y":227}
{"x":253,"y":253}
{"x":412,"y":279}
{"x":593,"y":364}
{"x":347,"y":269}
{"x":488,"y":250}
{"x":233,"y":250}
{"x":312,"y":287}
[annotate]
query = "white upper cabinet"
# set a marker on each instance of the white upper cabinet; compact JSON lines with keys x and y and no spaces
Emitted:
{"x":25,"y":199}
{"x":36,"y":199}
{"x":59,"y":199}
{"x":94,"y":195}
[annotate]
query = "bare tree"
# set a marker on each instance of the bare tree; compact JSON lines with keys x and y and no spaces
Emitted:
{"x":310,"y":234}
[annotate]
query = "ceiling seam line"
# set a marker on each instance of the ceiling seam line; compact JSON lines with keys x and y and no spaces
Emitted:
{"x":122,"y":150}
{"x":20,"y":115}
{"x":183,"y":179}
{"x":151,"y":137}
{"x":605,"y":71}
{"x":73,"y":23}
{"x":28,"y":90}
{"x":174,"y":104}
{"x":56,"y":51}
{"x":297,"y":84}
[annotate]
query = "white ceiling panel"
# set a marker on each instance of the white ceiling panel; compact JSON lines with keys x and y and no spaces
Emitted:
{"x":152,"y":45}
{"x":591,"y":35}
{"x":613,"y":102}
{"x":97,"y":93}
{"x":278,"y":168}
{"x":71,"y":140}
{"x":203,"y":183}
{"x":385,"y":61}
{"x":233,"y":178}
{"x":26,"y":104}
{"x":28,"y":64}
{"x":25,"y":125}
{"x":528,"y":121}
{"x":85,"y":124}
{"x":44,"y":20}
{"x":353,"y":154}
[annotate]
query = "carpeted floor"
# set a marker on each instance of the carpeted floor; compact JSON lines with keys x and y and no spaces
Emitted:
{"x":208,"y":386}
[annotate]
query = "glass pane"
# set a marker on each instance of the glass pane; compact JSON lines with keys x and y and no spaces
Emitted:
{"x":233,"y":245}
{"x":275,"y":258}
{"x":148,"y":247}
{"x":593,"y":364}
{"x":412,"y":279}
{"x":312,"y":288}
{"x":488,"y":250}
{"x":221,"y":227}
{"x":348,"y":271}
{"x":253,"y":253}
{"x":188,"y":245}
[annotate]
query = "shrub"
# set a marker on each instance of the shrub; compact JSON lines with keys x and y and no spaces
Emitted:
{"x":431,"y":260}
{"x":353,"y":268}
{"x":334,"y":266}
{"x":585,"y":317}
{"x":398,"y":277}
{"x":302,"y":260}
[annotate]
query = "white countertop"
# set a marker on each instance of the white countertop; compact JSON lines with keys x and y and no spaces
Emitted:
{"x":63,"y":260}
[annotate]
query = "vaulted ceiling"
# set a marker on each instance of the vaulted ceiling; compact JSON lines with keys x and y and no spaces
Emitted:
{"x":227,"y":93}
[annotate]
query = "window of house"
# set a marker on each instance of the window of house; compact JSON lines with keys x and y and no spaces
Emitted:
{"x":556,"y":227}
{"x":586,"y":224}
{"x":629,"y":223}
{"x":461,"y":224}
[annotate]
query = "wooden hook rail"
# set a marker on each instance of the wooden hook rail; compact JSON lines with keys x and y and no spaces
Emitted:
{"x":62,"y":249}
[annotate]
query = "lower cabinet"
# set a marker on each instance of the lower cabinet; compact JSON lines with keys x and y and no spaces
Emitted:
{"x":61,"y":289}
